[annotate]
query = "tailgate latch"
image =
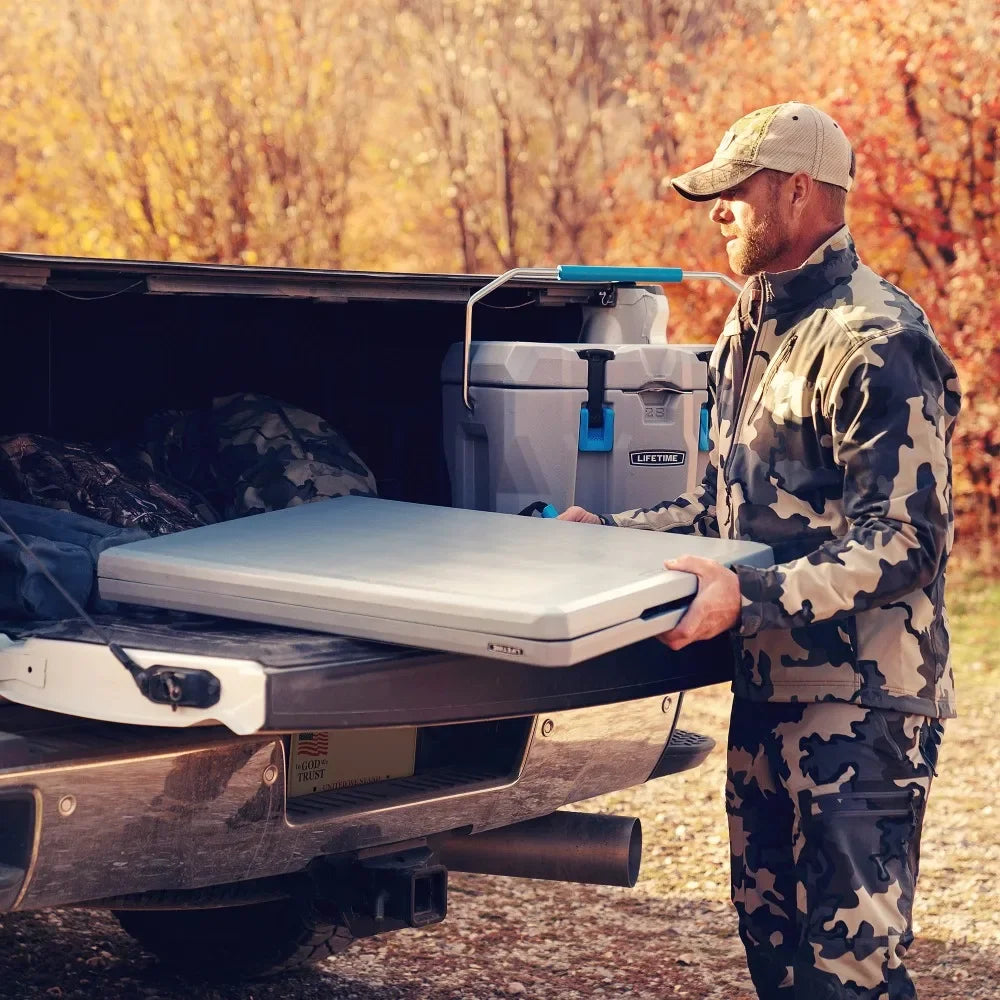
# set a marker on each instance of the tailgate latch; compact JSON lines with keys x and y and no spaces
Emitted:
{"x":181,"y":687}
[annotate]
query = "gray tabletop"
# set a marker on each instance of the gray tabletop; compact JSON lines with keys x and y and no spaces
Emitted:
{"x":535,"y":577}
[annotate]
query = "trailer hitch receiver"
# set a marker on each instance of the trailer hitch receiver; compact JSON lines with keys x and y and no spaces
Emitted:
{"x":395,"y":891}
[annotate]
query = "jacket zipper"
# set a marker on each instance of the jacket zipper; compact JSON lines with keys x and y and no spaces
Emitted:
{"x":772,"y":367}
{"x":758,"y":394}
{"x":737,"y":422}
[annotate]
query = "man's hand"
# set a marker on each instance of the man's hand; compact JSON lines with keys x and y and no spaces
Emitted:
{"x":578,"y":514}
{"x":715,"y":608}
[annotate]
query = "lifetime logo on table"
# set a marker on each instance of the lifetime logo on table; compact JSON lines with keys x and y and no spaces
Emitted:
{"x":499,"y":647}
{"x":657,"y":457}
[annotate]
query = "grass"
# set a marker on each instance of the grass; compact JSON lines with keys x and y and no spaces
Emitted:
{"x":974,"y":615}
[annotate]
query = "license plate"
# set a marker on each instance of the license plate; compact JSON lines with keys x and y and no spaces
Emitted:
{"x":328,"y":759}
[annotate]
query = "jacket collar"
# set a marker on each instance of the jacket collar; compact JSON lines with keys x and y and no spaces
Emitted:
{"x":830,"y":264}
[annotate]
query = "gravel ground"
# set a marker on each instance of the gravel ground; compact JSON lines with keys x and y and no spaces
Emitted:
{"x":672,"y":936}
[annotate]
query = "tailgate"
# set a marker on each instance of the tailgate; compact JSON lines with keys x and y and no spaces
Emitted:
{"x":278,"y":679}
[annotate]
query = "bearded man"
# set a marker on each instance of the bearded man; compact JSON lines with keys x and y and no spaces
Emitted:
{"x":833,"y":412}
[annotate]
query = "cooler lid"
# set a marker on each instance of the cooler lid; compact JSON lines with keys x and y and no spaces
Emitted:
{"x":521,"y":365}
{"x":381,"y":560}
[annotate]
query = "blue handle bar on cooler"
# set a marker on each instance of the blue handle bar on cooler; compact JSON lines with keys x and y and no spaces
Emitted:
{"x":596,"y":274}
{"x":584,"y":272}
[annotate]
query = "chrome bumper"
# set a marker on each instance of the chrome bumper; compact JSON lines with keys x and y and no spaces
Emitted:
{"x":215,"y":812}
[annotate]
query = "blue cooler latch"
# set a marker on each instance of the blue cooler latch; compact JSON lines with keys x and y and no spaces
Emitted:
{"x":704,"y":437}
{"x":597,"y":418}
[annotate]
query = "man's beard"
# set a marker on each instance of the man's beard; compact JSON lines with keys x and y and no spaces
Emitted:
{"x":756,"y":249}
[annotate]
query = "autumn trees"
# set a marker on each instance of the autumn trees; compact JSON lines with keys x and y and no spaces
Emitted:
{"x":220,"y":132}
{"x":521,"y":114}
{"x":917,"y":90}
{"x":481,"y":134}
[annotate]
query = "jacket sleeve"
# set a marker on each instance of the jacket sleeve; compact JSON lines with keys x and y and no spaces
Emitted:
{"x":891,"y":410}
{"x":690,"y":514}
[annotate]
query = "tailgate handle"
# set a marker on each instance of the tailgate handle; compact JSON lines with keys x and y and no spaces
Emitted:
{"x":181,"y":687}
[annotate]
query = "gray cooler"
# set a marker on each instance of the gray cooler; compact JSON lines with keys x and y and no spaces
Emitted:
{"x":609,"y":427}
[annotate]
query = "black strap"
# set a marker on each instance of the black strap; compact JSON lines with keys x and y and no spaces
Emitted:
{"x":596,"y":383}
{"x":533,"y":508}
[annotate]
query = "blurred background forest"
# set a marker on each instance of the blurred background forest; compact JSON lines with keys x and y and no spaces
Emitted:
{"x":477,"y":135}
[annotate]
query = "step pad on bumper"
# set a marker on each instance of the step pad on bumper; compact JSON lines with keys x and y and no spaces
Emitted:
{"x":684,"y":751}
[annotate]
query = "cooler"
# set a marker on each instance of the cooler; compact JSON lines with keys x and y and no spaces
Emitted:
{"x":608,"y":427}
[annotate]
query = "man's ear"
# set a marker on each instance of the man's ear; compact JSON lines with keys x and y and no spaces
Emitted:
{"x":800,"y":190}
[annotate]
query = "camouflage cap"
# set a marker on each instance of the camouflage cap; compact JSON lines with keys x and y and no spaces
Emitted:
{"x":790,"y":137}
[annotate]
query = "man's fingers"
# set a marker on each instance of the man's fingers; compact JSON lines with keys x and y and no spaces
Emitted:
{"x":715,"y":607}
{"x":686,"y":630}
{"x":690,"y":564}
{"x":675,"y":639}
{"x":578,"y":514}
{"x":683,"y":633}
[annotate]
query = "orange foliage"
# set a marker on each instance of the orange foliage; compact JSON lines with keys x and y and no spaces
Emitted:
{"x":917,"y":90}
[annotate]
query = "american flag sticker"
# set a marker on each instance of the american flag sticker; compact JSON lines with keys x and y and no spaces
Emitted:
{"x":324,"y":760}
{"x":309,"y":763}
{"x":313,"y":745}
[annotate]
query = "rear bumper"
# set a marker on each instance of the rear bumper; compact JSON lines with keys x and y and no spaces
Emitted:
{"x":189,"y":809}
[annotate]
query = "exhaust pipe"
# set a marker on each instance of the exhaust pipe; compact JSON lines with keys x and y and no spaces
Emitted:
{"x":563,"y":847}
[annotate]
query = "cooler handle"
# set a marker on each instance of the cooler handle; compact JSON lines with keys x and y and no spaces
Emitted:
{"x":577,"y":272}
{"x":584,"y":272}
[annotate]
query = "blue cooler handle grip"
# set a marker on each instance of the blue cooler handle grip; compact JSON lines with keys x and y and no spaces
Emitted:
{"x":585,"y":272}
{"x":539,"y":507}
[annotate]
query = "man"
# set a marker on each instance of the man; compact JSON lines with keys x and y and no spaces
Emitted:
{"x":833,"y":412}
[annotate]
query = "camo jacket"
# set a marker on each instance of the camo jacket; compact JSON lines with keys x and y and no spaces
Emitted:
{"x":834,"y":407}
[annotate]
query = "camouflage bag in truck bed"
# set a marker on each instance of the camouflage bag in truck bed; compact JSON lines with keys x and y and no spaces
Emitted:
{"x":252,"y":453}
{"x":112,"y":484}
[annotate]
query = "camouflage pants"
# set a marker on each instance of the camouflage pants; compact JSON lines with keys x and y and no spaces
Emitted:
{"x":826,"y":802}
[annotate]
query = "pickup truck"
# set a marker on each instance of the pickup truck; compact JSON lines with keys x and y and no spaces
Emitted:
{"x":183,"y":820}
